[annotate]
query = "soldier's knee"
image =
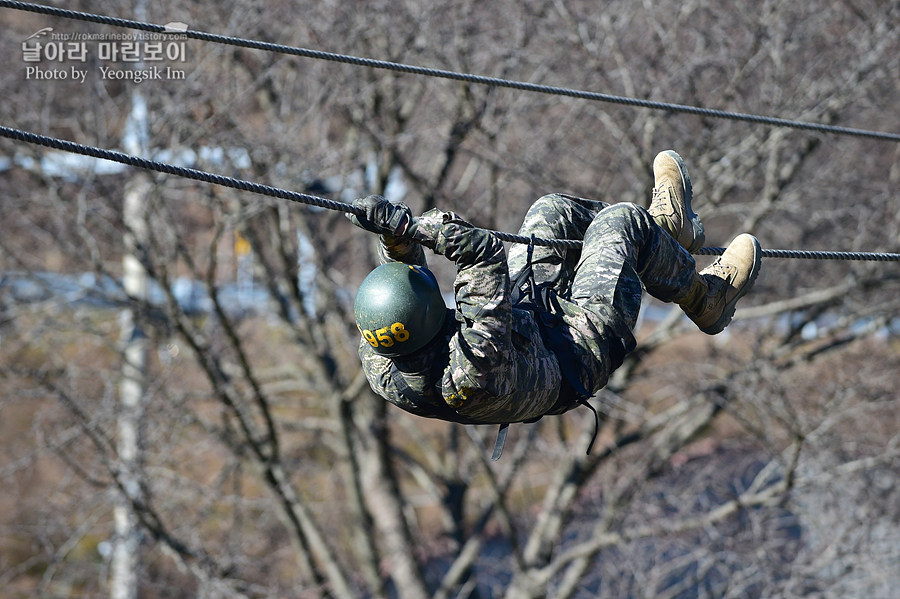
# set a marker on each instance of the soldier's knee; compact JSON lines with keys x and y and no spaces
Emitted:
{"x":624,"y":210}
{"x":546,"y":209}
{"x":552,"y":202}
{"x":622,"y":216}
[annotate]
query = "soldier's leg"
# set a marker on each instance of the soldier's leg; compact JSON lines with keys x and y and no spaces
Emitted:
{"x":553,"y":216}
{"x":623,"y":248}
{"x":624,"y":251}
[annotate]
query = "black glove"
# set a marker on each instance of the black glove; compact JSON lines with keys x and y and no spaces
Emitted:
{"x":394,"y":221}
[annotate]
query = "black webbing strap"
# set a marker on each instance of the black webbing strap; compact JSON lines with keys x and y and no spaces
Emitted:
{"x":585,"y":402}
{"x":537,"y":297}
{"x":500,"y":442}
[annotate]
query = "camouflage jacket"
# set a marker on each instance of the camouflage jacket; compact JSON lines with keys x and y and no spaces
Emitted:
{"x":491,"y":363}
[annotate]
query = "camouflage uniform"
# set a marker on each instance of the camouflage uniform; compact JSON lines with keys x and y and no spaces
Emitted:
{"x":515,"y":363}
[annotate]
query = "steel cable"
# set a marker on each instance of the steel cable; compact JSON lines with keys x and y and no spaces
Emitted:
{"x":445,"y":74}
{"x":312,"y":200}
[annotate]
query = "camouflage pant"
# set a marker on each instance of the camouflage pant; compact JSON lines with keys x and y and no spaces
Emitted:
{"x":623,"y":252}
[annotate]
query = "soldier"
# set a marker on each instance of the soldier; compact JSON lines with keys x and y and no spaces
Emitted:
{"x":540,"y":331}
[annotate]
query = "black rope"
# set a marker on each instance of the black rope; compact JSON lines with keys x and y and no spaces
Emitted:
{"x":812,"y":255}
{"x":303,"y":198}
{"x":452,"y":75}
{"x":178,"y":171}
{"x":215,"y":179}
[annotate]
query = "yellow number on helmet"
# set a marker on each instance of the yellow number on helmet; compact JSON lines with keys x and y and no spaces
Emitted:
{"x":382,"y":336}
{"x":370,"y":338}
{"x":400,"y":332}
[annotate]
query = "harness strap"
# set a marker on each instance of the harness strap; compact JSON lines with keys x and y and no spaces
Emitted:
{"x":526,"y":275}
{"x":537,"y":296}
{"x":500,"y":442}
{"x":585,"y":402}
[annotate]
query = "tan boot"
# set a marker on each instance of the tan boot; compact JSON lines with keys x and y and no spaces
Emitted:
{"x":671,"y":203}
{"x":713,"y":297}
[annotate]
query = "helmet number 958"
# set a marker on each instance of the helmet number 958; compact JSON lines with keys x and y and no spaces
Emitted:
{"x":387,"y":336}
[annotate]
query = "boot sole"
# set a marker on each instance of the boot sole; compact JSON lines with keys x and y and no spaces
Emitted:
{"x":730,"y":307}
{"x":696,"y":225}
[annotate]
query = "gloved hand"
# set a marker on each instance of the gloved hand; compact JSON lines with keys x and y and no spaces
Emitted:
{"x":394,"y":221}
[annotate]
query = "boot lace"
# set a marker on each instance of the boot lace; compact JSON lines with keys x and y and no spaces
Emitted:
{"x":718,"y":275}
{"x":660,"y":200}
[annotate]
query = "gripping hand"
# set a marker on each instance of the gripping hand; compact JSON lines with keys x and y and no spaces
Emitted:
{"x":394,"y":221}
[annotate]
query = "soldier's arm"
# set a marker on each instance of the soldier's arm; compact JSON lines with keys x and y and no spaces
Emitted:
{"x":407,"y":251}
{"x":378,"y":372}
{"x":479,"y":352}
{"x":410,"y":248}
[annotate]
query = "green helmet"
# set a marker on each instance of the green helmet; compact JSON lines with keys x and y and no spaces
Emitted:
{"x":399,"y":308}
